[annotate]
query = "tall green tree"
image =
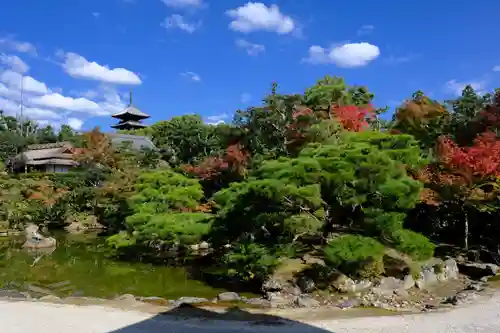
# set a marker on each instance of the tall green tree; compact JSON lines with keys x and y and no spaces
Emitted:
{"x":465,"y":122}
{"x":185,"y":139}
{"x":265,"y":128}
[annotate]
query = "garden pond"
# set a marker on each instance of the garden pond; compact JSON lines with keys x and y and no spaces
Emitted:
{"x":80,"y":266}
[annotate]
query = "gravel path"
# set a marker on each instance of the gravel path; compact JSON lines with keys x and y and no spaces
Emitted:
{"x":22,"y":317}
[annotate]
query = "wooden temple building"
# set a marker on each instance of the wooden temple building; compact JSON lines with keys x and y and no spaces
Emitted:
{"x":59,"y":156}
{"x":49,"y":157}
{"x":130,"y":117}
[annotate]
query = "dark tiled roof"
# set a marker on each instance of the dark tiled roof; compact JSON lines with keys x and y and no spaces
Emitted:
{"x":130,"y":112}
{"x":138,"y":141}
{"x":128,"y":124}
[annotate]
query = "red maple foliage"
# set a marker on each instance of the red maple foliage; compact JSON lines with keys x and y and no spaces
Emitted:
{"x":235,"y":160}
{"x":353,"y":117}
{"x":459,"y":168}
{"x":481,"y":160}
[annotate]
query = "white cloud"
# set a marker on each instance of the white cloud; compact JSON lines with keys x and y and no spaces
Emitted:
{"x":13,"y":81}
{"x":216,"y":119}
{"x":455,"y":87}
{"x":347,"y":55}
{"x":19,"y":46}
{"x":496,"y":68}
{"x":9,"y":93}
{"x":96,"y":14}
{"x":74,"y":123}
{"x":365,"y":29}
{"x":250,"y":48}
{"x":179,"y":22}
{"x":38,"y":113}
{"x":183,"y":3}
{"x":192,"y":76}
{"x":14,"y":108}
{"x":59,"y":101}
{"x":255,"y":16}
{"x":90,"y":94}
{"x":14,"y":63}
{"x":50,"y":107}
{"x":215,"y":123}
{"x":245,"y":98}
{"x":111,"y":100}
{"x":79,"y":67}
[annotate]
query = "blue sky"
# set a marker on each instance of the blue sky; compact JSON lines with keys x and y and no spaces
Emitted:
{"x":79,"y":58}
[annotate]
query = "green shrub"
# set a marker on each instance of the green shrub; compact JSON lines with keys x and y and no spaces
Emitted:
{"x":121,"y":240}
{"x":249,"y":262}
{"x":173,"y":228}
{"x":356,"y":255}
{"x":85,"y":219}
{"x":414,"y":244}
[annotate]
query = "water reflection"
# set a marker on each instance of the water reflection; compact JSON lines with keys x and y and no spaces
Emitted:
{"x":80,"y":266}
{"x":38,"y":254}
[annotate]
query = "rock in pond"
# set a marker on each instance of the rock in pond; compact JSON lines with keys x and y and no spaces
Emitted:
{"x":228,"y":297}
{"x":34,"y":240}
{"x":190,"y":300}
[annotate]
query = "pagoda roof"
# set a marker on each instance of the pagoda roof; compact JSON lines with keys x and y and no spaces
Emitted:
{"x":129,"y":124}
{"x":132,"y":112}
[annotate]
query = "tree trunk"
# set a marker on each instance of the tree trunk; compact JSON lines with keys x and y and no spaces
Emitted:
{"x":326,"y":225}
{"x":466,"y":231}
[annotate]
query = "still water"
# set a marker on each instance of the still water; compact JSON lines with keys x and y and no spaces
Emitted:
{"x":80,"y":266}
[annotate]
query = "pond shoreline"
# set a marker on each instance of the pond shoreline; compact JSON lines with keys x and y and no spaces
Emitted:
{"x":148,"y":305}
{"x":43,"y":317}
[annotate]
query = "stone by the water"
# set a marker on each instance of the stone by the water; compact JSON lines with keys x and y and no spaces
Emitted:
{"x":228,"y":297}
{"x":190,"y":300}
{"x":12,"y":294}
{"x":34,"y":240}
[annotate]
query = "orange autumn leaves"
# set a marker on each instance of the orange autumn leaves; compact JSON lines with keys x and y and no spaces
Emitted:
{"x":234,"y":159}
{"x":461,"y":168}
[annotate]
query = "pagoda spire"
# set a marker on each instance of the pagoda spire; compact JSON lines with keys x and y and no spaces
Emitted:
{"x":130,"y":117}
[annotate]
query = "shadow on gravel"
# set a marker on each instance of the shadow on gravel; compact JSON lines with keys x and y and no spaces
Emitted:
{"x":190,"y":319}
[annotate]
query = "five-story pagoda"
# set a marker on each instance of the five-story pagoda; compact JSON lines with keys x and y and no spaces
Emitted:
{"x":130,"y":118}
